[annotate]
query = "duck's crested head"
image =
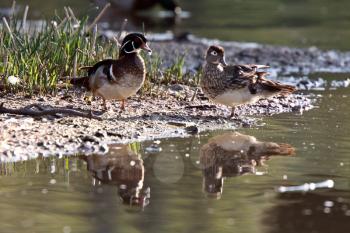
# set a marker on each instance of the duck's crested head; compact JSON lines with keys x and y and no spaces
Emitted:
{"x":215,"y":55}
{"x":133,"y":43}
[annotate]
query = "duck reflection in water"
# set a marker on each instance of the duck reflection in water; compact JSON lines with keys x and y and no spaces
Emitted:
{"x":124,"y":168}
{"x":234,"y":154}
{"x":140,"y":12}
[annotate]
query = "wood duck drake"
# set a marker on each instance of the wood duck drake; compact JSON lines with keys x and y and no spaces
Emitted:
{"x":233,"y":85}
{"x":123,"y":168}
{"x":121,"y":78}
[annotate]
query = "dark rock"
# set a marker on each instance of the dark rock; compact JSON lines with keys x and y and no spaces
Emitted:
{"x":176,"y":123}
{"x":40,"y":143}
{"x":192,"y":129}
{"x":88,"y":138}
{"x":103,"y":148}
{"x":101,"y":134}
{"x":110,"y":133}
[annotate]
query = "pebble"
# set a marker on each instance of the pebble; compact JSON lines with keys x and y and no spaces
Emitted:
{"x":193,"y":129}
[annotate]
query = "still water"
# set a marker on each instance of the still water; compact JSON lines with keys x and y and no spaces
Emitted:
{"x":214,"y":182}
{"x":321,"y":23}
{"x":205,"y":183}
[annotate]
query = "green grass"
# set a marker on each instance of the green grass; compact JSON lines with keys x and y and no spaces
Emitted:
{"x":44,"y":58}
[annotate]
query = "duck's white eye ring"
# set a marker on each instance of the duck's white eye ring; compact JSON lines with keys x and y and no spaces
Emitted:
{"x":214,"y":53}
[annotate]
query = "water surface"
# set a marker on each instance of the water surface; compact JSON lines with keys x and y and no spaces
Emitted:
{"x":165,"y":191}
{"x":321,"y":23}
{"x":138,"y":189}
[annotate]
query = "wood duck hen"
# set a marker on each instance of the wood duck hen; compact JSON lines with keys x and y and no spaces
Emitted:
{"x":121,"y":78}
{"x":234,"y":85}
{"x":234,"y":154}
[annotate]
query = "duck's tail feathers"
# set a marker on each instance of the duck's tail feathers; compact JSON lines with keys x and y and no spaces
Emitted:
{"x":274,"y":87}
{"x":271,"y":148}
{"x":259,"y":66}
{"x":80,"y":81}
{"x":261,"y":74}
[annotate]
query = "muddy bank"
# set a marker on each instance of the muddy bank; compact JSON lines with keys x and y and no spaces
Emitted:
{"x":170,"y":114}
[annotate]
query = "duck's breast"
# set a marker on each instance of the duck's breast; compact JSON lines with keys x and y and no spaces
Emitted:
{"x":236,"y":97}
{"x":126,"y":86}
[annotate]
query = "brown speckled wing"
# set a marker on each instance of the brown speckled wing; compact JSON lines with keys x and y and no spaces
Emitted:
{"x":239,"y":76}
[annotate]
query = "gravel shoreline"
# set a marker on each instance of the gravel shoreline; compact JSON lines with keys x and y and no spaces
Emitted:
{"x":145,"y":118}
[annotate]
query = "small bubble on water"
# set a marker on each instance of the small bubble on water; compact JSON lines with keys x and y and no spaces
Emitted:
{"x":327,"y":210}
{"x":307,"y":212}
{"x":53,"y":181}
{"x":330,"y":183}
{"x":176,"y":157}
{"x":197,"y":162}
{"x":312,"y":186}
{"x":157,"y":142}
{"x":341,"y":164}
{"x":44,"y":191}
{"x":285,"y":177}
{"x":132,"y":163}
{"x":187,"y":155}
{"x":259,"y":173}
{"x":328,"y":203}
{"x":67,"y":229}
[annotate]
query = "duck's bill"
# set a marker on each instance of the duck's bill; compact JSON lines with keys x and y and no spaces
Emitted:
{"x":146,"y":48}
